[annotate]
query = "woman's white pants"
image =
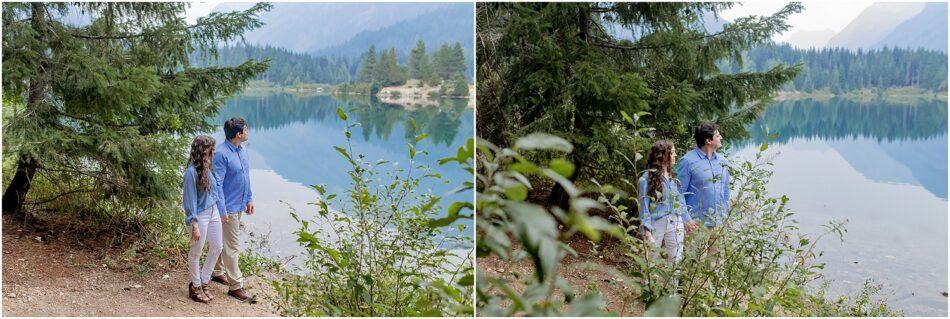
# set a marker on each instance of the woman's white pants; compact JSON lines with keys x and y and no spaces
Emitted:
{"x":209,"y":225}
{"x":668,"y":232}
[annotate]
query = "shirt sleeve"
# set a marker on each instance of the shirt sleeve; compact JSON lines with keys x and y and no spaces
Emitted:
{"x":646,"y":220}
{"x":725,"y":187}
{"x":220,"y":166}
{"x":247,"y":175}
{"x":682,"y":173}
{"x":219,"y":194}
{"x":189,"y":196}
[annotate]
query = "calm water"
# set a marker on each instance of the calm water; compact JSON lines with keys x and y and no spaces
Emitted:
{"x":884,"y":169}
{"x":291,"y":147}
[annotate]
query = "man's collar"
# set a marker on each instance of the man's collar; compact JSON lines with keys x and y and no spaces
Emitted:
{"x":702,"y":154}
{"x":231,"y":145}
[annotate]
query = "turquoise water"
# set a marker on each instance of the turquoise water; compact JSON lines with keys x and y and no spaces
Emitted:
{"x":291,"y":147}
{"x":883,"y":168}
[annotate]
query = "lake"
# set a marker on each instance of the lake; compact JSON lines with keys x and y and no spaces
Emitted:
{"x":291,"y":147}
{"x":883,"y":168}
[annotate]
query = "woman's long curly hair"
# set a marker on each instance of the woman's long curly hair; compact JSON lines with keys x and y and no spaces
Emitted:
{"x":202,"y":151}
{"x":659,"y":161}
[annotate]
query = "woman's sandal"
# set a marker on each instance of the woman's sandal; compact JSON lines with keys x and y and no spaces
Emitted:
{"x":197,"y":294}
{"x":207,"y":291}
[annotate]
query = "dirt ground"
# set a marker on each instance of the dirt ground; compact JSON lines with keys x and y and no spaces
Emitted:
{"x":43,"y":276}
{"x":591,"y":267}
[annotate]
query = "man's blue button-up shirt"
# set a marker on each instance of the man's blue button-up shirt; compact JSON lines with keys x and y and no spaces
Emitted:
{"x":233,"y":169}
{"x":704,"y":182}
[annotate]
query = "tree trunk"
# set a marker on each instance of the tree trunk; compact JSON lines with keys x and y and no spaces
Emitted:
{"x":15,"y":194}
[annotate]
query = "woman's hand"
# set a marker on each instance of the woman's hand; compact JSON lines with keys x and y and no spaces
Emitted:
{"x":195,"y":234}
{"x":690,"y":226}
{"x":225,"y":218}
{"x":647,"y":236}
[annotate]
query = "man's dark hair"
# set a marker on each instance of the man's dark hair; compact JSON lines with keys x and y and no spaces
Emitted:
{"x":705,"y":131}
{"x":234,"y":126}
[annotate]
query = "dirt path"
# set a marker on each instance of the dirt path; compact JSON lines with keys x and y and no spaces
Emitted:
{"x":581,"y":273}
{"x":45,"y":277}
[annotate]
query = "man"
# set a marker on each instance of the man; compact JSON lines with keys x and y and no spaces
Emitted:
{"x":232,"y":169}
{"x":704,"y":179}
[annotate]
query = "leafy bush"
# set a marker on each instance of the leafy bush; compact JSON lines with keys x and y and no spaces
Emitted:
{"x":756,"y":263}
{"x":386,"y":253}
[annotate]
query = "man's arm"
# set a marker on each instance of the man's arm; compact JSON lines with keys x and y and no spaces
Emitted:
{"x":220,"y":166}
{"x":725,"y":188}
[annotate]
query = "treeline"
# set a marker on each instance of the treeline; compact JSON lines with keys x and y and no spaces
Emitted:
{"x":286,"y":67}
{"x":445,"y":64}
{"x":840,"y":70}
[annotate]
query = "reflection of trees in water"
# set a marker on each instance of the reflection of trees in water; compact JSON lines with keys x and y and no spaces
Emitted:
{"x":376,"y":119}
{"x":839,"y":119}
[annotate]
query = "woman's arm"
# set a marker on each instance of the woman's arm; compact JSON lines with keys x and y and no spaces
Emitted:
{"x":646,"y":220}
{"x":189,"y":196}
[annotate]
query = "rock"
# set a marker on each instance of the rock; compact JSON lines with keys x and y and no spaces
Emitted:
{"x":39,"y":239}
{"x":166,"y":276}
{"x":944,"y":293}
{"x":13,"y":295}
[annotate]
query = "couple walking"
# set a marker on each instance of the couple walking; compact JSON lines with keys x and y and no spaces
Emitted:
{"x":670,"y":205}
{"x":216,"y":192}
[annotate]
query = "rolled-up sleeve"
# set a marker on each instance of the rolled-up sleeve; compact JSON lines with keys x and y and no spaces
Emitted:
{"x":646,"y":220}
{"x":189,"y":196}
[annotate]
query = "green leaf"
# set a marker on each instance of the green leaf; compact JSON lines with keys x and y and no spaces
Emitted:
{"x":542,"y":141}
{"x":562,"y":166}
{"x":467,"y":280}
{"x":421,"y":137}
{"x":516,"y":192}
{"x":340,"y":113}
{"x":667,"y":306}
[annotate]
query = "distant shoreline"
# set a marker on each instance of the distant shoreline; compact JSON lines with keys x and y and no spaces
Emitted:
{"x":894,"y":94}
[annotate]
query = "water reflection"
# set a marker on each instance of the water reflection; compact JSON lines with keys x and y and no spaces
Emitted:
{"x":895,"y":143}
{"x":882,"y":167}
{"x":291,"y":147}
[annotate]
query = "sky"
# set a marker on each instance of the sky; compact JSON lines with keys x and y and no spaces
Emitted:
{"x":834,"y":15}
{"x":200,"y":9}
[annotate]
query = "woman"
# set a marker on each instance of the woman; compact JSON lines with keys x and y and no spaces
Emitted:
{"x":662,"y":207}
{"x":201,"y":196}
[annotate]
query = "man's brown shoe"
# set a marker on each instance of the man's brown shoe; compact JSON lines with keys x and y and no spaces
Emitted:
{"x":221,"y":279}
{"x":240,"y":294}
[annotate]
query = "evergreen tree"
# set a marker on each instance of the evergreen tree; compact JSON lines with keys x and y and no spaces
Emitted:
{"x":457,"y":60}
{"x":442,"y":60}
{"x":460,"y":85}
{"x":419,"y":61}
{"x":368,"y":71}
{"x":106,"y":108}
{"x":553,"y":67}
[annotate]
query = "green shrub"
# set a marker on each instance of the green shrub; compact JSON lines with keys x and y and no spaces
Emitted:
{"x":385,"y":253}
{"x":756,"y":263}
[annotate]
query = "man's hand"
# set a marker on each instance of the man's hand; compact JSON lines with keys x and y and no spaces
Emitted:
{"x":225,"y":218}
{"x":648,"y":236}
{"x":195,"y":234}
{"x":250,"y":208}
{"x":690,"y":226}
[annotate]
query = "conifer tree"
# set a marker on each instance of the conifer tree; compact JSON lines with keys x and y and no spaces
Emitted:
{"x":368,"y":69}
{"x":554,"y":67}
{"x":106,"y":108}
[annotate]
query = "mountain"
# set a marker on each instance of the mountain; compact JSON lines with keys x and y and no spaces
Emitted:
{"x":804,"y":39}
{"x":449,"y":24}
{"x":927,"y":29}
{"x":310,"y":27}
{"x":874,"y":24}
